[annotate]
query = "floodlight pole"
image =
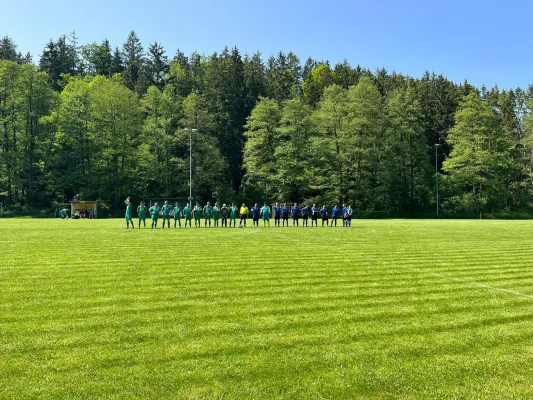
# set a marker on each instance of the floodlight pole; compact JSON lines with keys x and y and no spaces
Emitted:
{"x":437,"y":145}
{"x":190,"y":130}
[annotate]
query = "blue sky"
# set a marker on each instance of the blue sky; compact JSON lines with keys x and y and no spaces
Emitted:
{"x":487,"y":42}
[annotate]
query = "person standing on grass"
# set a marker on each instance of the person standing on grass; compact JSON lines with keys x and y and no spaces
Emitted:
{"x":334,"y":215}
{"x":277,"y":214}
{"x":244,"y":214}
{"x":265,"y":212}
{"x":216,"y":214}
{"x":324,"y":213}
{"x":154,"y":212}
{"x":208,"y":214}
{"x":305,"y":216}
{"x":314,"y":215}
{"x":285,"y":214}
{"x":187,"y":213}
{"x":224,"y":211}
{"x":141,"y":212}
{"x":197,"y":213}
{"x":233,"y":215}
{"x":177,"y":214}
{"x":343,"y":214}
{"x":255,"y":215}
{"x":128,"y":214}
{"x":295,"y":214}
{"x":167,"y":208}
{"x":348,"y":216}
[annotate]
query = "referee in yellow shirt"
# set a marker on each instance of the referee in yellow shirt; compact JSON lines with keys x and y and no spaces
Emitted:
{"x":244,"y":214}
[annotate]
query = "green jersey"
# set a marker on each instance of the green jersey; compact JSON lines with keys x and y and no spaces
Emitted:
{"x":177,"y":212}
{"x":207,"y":211}
{"x":233,"y":212}
{"x":216,"y":212}
{"x":166,"y":211}
{"x":187,"y":211}
{"x":128,"y":211}
{"x":154,"y":211}
{"x":141,"y":210}
{"x":197,"y":212}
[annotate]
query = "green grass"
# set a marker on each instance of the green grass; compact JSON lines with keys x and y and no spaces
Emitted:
{"x":387,"y":309}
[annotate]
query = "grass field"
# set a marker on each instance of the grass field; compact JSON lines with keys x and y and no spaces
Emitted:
{"x":387,"y":309}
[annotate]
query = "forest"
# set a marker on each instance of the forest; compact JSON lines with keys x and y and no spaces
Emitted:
{"x":101,"y":122}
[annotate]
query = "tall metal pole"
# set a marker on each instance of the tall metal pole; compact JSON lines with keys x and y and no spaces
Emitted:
{"x":437,"y":175}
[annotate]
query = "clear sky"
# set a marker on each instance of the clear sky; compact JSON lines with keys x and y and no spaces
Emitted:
{"x":485,"y":41}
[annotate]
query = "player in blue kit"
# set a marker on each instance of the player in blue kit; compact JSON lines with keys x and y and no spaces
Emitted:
{"x":348,"y":216}
{"x":295,"y":214}
{"x":314,"y":215}
{"x":324,"y":213}
{"x":305,"y":216}
{"x":334,"y":215}
{"x":277,"y":214}
{"x":285,"y":214}
{"x":255,"y":215}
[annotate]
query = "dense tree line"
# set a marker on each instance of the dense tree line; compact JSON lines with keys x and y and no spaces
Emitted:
{"x":104,"y":122}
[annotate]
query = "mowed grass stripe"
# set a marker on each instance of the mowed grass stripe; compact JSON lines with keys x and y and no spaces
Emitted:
{"x":265,"y":313}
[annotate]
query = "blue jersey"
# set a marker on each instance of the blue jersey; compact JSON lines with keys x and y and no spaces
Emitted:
{"x":286,"y":211}
{"x":255,"y":210}
{"x":344,"y":211}
{"x":277,"y":211}
{"x":315,"y":210}
{"x":295,"y":211}
{"x":305,"y":211}
{"x":324,"y":212}
{"x":335,"y":212}
{"x":348,"y":212}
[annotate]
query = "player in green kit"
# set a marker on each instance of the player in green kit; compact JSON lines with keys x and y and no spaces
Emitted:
{"x":187,"y":213}
{"x":208,"y":214}
{"x":141,"y":212}
{"x":128,"y":214}
{"x":216,"y":214}
{"x":177,"y":214}
{"x":197,"y":213}
{"x":64,"y":213}
{"x":233,"y":211}
{"x":154,"y":212}
{"x":167,"y":208}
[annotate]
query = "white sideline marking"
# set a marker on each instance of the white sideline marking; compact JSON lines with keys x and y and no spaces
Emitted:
{"x":473,"y":283}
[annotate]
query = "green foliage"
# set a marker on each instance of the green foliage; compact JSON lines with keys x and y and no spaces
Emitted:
{"x":316,"y":81}
{"x":479,"y":162}
{"x":331,"y":119}
{"x":8,"y":49}
{"x":134,"y":64}
{"x":294,"y":152}
{"x":104,"y":123}
{"x":362,"y":141}
{"x":26,"y":96}
{"x":403,"y":168}
{"x":262,"y":140}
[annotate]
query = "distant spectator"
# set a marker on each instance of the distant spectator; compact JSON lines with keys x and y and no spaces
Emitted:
{"x":63,"y":213}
